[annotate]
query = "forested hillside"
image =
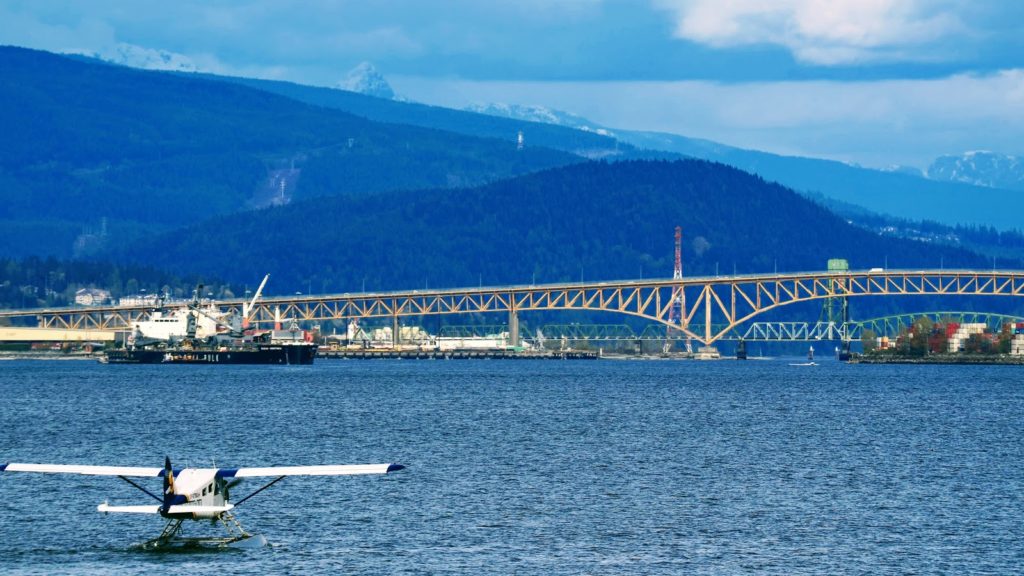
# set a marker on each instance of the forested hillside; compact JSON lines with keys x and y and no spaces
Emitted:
{"x":905,"y":196}
{"x":85,"y":141}
{"x":41,"y":282}
{"x":591,"y":221}
{"x":896,"y":194}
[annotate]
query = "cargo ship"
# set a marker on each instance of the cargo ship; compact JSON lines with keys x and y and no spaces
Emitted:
{"x":194,"y":334}
{"x":250,"y":353}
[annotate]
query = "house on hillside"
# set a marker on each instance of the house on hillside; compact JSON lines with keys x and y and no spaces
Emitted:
{"x":139,"y":300}
{"x":91,"y":297}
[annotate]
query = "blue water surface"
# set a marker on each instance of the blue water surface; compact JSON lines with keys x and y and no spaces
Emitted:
{"x":531,"y":467}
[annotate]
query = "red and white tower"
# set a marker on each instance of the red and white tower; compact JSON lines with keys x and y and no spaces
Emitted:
{"x":678,"y":309}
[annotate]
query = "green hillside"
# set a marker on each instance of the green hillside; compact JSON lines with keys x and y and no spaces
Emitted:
{"x":48,"y":282}
{"x":900,"y":195}
{"x":593,"y":220}
{"x":147,"y":151}
{"x":903,"y":196}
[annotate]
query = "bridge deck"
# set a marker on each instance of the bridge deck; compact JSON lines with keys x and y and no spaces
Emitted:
{"x":716,"y":304}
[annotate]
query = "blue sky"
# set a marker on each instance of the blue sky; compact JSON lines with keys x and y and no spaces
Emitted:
{"x":876,"y":82}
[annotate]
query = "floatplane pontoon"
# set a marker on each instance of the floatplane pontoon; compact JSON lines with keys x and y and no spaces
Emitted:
{"x":197,"y":493}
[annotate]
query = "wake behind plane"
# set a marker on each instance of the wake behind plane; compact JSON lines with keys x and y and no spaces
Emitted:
{"x":197,"y":493}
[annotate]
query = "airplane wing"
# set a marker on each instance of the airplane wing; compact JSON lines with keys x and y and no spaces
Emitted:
{"x":189,"y":509}
{"x":155,"y":509}
{"x":330,"y":470}
{"x":79,"y":469}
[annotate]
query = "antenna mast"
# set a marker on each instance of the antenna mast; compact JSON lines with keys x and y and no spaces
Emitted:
{"x":675,"y":314}
{"x":677,"y":272}
{"x":678,"y":306}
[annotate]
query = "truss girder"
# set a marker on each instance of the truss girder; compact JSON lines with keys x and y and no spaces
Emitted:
{"x":717,"y":304}
{"x":589,"y":332}
{"x":471,"y":331}
{"x":892,"y":325}
{"x":797,"y":331}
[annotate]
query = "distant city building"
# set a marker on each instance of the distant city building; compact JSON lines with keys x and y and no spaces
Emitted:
{"x":91,"y":297}
{"x":139,"y":300}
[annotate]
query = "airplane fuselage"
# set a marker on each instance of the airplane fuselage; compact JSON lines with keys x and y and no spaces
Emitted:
{"x":198,"y":487}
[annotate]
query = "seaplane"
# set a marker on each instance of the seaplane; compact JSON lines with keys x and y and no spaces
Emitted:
{"x":201,"y":494}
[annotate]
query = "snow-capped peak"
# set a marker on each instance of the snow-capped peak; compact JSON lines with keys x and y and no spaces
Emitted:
{"x":135,"y":56}
{"x":539,"y":114}
{"x":981,"y":168}
{"x":903,"y":169}
{"x":365,"y":79}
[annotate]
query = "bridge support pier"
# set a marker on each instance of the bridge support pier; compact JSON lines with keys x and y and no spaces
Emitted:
{"x":513,"y":327}
{"x":396,"y":332}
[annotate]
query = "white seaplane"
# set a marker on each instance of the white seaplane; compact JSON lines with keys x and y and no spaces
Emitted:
{"x":197,"y":493}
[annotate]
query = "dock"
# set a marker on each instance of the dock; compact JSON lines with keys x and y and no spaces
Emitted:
{"x":412,"y":354}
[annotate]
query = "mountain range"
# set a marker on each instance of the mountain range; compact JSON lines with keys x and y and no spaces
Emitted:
{"x":954,"y":190}
{"x":537,"y":134}
{"x":906,"y":196}
{"x":970,"y":189}
{"x":980,"y":168}
{"x":329,"y":189}
{"x":85,"y":141}
{"x":594,"y":220}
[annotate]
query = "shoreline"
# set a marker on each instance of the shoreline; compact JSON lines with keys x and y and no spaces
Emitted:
{"x":995,"y":359}
{"x":47,"y":356}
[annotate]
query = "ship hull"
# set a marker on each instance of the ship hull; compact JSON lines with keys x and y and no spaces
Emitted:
{"x":264,"y":354}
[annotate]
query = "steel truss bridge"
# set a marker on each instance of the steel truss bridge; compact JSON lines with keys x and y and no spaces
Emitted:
{"x":854,"y":330}
{"x":752,"y":332}
{"x":712,"y":307}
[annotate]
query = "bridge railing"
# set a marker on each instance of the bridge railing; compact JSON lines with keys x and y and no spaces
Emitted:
{"x":712,"y":307}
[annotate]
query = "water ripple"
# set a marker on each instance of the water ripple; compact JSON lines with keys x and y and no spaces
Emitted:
{"x":534,"y":467}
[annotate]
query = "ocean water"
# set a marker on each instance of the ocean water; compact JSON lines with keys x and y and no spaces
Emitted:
{"x":546,"y":467}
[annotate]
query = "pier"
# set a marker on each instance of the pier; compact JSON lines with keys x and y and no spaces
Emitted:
{"x":469,"y":354}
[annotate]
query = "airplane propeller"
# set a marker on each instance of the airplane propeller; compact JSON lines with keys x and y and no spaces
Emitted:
{"x":169,"y":496}
{"x":168,"y":476}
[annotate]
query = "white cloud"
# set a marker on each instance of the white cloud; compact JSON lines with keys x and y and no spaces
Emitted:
{"x":875,"y":123}
{"x":23,"y":28}
{"x":824,"y":32}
